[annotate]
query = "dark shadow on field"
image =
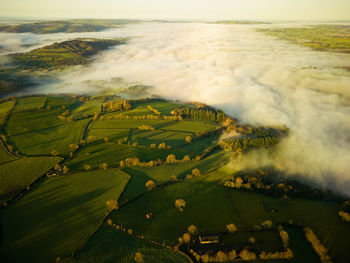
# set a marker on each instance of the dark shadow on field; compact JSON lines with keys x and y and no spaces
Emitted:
{"x":136,"y":185}
{"x":46,"y":219}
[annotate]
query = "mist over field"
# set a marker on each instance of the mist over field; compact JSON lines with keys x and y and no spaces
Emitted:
{"x":251,"y":76}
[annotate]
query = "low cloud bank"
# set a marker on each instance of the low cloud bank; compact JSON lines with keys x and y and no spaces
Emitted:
{"x":256,"y":78}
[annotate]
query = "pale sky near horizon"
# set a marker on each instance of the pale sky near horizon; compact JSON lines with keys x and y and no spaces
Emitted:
{"x":179,"y":9}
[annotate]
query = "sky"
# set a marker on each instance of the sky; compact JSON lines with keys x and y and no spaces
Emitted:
{"x":179,"y":9}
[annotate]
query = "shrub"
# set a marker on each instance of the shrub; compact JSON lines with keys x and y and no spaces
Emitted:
{"x":87,"y":167}
{"x":150,"y":185}
{"x":231,"y":228}
{"x":138,"y":257}
{"x":188,"y":139}
{"x":180,"y":204}
{"x":192,"y":229}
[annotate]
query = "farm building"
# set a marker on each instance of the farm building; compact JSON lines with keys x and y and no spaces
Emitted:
{"x":209,"y":239}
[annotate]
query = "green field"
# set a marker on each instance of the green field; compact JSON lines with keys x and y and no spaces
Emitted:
{"x":242,"y":208}
{"x":110,"y":245}
{"x":88,"y":108}
{"x":191,"y":126}
{"x":65,"y":214}
{"x":113,"y":135}
{"x":58,"y":215}
{"x":51,"y":27}
{"x":63,"y":54}
{"x":99,"y":152}
{"x":164,"y":173}
{"x":26,"y":121}
{"x":334,"y":38}
{"x":115,"y":124}
{"x":30,"y":103}
{"x":16,"y":175}
{"x":54,"y":101}
{"x":5,"y":107}
{"x":5,"y":155}
{"x":42,"y":142}
{"x":67,"y":26}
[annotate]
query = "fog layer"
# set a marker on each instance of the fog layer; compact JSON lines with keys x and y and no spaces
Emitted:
{"x":255,"y":78}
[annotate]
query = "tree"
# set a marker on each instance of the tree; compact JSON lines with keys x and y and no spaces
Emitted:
{"x":192,"y":229}
{"x":186,"y":158}
{"x":122,"y":164}
{"x":65,"y":169}
{"x":111,"y":205}
{"x":188,"y":139}
{"x":87,"y":167}
{"x":171,"y":158}
{"x":103,"y":166}
{"x":54,"y":153}
{"x":221,"y":256}
{"x":247,"y":255}
{"x":231,"y":228}
{"x":138,"y":257}
{"x":73,"y":147}
{"x":162,"y":146}
{"x":251,"y":240}
{"x":196,"y":172}
{"x":266,"y":224}
{"x":239,"y":182}
{"x":150,"y":185}
{"x":187,"y":238}
{"x":180,"y":204}
{"x":57,"y":167}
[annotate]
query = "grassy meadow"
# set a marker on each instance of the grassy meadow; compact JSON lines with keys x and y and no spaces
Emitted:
{"x":66,"y":215}
{"x":58,"y":215}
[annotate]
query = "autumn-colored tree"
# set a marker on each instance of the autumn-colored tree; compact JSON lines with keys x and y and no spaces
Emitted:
{"x":266,"y":224}
{"x":171,"y":158}
{"x":232,"y":255}
{"x":150,"y":185}
{"x":345,"y":216}
{"x":65,"y":169}
{"x":231,"y":228}
{"x":57,"y":167}
{"x":122,"y":164}
{"x":187,"y":238}
{"x":188,"y":139}
{"x":138,"y":257}
{"x":205,"y":258}
{"x":87,"y":167}
{"x":192,"y":229}
{"x":104,"y":166}
{"x":162,"y":146}
{"x":221,"y":256}
{"x":54,"y":153}
{"x":109,"y":222}
{"x":317,"y":245}
{"x":180,"y":204}
{"x":196,"y":172}
{"x":239,"y":182}
{"x":251,"y":240}
{"x":130,"y":231}
{"x":245,"y":254}
{"x":111,"y":205}
{"x":186,"y":158}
